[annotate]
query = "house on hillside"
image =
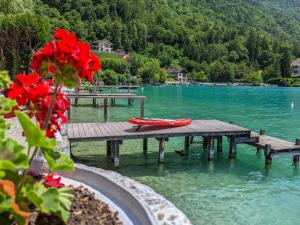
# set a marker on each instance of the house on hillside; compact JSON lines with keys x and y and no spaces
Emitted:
{"x":180,"y":74}
{"x":296,"y":68}
{"x":103,"y":45}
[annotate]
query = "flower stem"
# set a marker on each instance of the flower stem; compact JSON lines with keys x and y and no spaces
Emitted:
{"x":44,"y":128}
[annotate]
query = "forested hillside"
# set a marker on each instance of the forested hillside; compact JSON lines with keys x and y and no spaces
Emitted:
{"x":216,"y":40}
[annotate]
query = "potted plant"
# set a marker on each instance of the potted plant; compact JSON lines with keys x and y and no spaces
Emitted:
{"x":64,"y":61}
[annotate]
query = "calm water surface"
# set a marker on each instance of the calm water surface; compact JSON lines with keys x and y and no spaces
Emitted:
{"x":239,"y":191}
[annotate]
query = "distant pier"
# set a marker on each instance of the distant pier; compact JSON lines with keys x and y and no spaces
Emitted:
{"x":105,"y":98}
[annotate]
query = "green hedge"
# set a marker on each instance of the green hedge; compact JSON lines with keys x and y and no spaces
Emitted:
{"x":285,"y":82}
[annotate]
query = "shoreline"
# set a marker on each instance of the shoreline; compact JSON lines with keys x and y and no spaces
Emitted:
{"x":218,"y":84}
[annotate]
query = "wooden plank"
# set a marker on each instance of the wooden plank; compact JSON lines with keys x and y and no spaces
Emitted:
{"x":197,"y":128}
{"x":101,"y":129}
{"x":277,"y":145}
{"x":88,"y":130}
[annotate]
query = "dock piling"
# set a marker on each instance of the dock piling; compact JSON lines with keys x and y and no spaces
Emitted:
{"x":108,"y":149}
{"x":142,"y":108}
{"x":296,"y":157}
{"x":116,"y":152}
{"x":232,"y":147}
{"x":211,"y":148}
{"x":69,"y":110}
{"x":105,"y":110}
{"x":192,"y":140}
{"x":261,"y":132}
{"x":186,"y":144}
{"x":161,"y":158}
{"x":268,"y":156}
{"x":205,"y":142}
{"x":145,"y":145}
{"x":219,"y":143}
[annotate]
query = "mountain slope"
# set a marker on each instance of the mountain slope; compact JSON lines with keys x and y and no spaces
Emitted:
{"x":218,"y":39}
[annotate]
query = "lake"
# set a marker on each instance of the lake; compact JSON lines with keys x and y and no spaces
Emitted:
{"x":228,"y":192}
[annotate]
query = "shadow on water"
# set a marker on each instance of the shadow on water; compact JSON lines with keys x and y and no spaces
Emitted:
{"x":137,"y":164}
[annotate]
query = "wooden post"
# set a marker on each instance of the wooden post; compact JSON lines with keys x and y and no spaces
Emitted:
{"x":161,"y":157}
{"x":220,"y":143}
{"x":192,"y":140}
{"x":211,"y":149}
{"x":111,"y":101}
{"x":108,"y":149}
{"x":186,"y":144}
{"x":76,"y":99}
{"x":296,"y":157}
{"x":129,"y":104}
{"x":231,"y":122}
{"x":268,"y":156}
{"x":142,"y":107}
{"x":116,"y":151}
{"x":105,"y":110}
{"x":261,"y":132}
{"x":205,"y":142}
{"x":69,"y":110}
{"x":145,"y":145}
{"x":232,"y":147}
{"x":76,"y":102}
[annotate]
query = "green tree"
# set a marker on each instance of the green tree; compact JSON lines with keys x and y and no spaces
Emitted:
{"x":20,"y":36}
{"x":151,"y":72}
{"x":285,"y":61}
{"x":254,"y":77}
{"x":110,"y":77}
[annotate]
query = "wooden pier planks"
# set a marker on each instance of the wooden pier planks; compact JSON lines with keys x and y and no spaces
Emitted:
{"x":278,"y":146}
{"x":124,"y":130}
{"x":115,"y":132}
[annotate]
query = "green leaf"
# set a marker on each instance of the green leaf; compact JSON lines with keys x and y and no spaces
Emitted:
{"x":2,"y":174}
{"x":6,"y":105}
{"x":57,"y":160}
{"x":3,"y":128}
{"x":4,"y":79}
{"x":53,"y":200}
{"x":12,"y":156}
{"x":58,"y":201}
{"x":5,"y":203}
{"x":34,"y":135}
{"x":33,"y":191}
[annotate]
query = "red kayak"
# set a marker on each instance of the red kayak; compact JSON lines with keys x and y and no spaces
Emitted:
{"x":159,"y":122}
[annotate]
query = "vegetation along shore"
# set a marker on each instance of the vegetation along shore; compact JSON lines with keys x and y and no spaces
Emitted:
{"x":237,"y":41}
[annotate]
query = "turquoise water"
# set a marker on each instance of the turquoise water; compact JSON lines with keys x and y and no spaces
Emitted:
{"x":239,"y":191}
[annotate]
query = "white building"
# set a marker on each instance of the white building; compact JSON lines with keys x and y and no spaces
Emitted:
{"x":180,"y":74}
{"x":296,"y":68}
{"x":103,"y":45}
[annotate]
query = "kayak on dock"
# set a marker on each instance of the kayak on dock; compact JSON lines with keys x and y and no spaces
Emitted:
{"x":160,"y":122}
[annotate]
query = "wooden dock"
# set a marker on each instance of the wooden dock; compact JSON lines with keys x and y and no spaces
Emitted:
{"x":105,"y":98}
{"x":100,"y":88}
{"x":275,"y":147}
{"x":116,"y":132}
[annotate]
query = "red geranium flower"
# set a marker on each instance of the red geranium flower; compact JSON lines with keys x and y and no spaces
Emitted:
{"x":53,"y":182}
{"x":67,"y":59}
{"x":34,"y":94}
